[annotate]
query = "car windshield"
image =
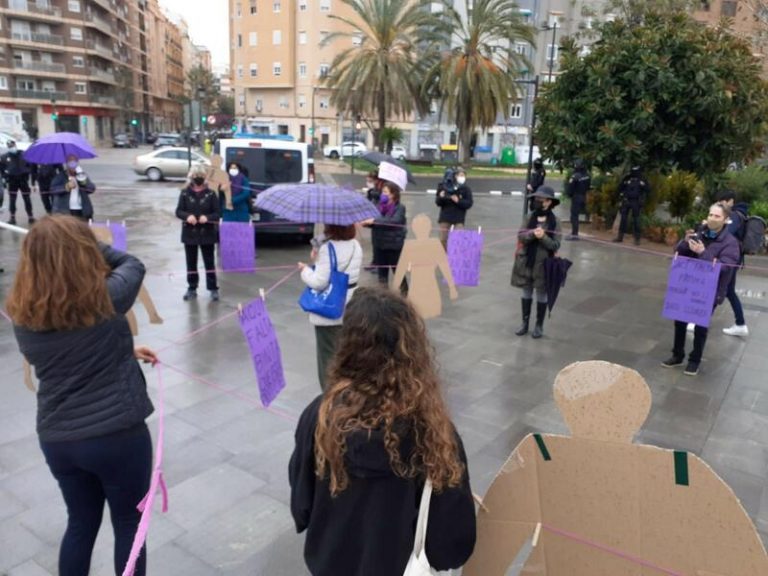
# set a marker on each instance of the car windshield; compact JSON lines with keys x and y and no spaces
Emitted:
{"x":269,"y":166}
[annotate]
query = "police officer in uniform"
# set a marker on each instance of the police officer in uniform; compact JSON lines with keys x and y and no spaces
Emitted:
{"x":537,"y":181}
{"x":16,"y":171}
{"x":633,"y":191}
{"x":577,"y":189}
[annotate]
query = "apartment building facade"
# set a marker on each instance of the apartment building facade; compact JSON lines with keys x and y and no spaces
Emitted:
{"x":99,"y":66}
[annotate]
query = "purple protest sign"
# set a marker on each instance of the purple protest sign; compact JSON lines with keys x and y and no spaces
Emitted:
{"x":265,"y":350}
{"x":238,"y":247}
{"x":119,"y":236}
{"x":691,"y":290}
{"x":465,"y":250}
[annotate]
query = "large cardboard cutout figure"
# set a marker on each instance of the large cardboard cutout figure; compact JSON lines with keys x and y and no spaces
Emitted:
{"x":599,"y":505}
{"x":420,"y":257}
{"x":218,"y":179}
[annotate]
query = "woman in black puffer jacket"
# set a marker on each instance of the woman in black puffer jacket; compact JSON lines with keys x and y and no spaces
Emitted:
{"x":68,"y":306}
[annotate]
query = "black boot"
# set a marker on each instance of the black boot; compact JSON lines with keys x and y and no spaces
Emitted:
{"x":541,"y":311}
{"x":526,"y":304}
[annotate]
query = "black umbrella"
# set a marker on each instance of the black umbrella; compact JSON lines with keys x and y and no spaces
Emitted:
{"x":375,"y":157}
{"x":555,"y":273}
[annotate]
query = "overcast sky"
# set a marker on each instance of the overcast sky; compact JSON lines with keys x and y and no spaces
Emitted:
{"x":208,"y":24}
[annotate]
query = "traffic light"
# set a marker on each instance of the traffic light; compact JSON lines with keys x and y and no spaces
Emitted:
{"x":234,"y":128}
{"x":55,"y":116}
{"x":85,"y":120}
{"x":204,"y":119}
{"x":311,"y":131}
{"x":134,"y":122}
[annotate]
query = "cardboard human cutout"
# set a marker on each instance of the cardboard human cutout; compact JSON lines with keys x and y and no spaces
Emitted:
{"x":218,"y":179}
{"x":594,"y":504}
{"x":420,"y":256}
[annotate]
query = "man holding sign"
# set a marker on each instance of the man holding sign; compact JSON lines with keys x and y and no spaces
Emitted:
{"x":698,"y":283}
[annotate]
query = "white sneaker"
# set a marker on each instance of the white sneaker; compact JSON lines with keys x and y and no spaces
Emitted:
{"x":691,"y":327}
{"x":737,"y":330}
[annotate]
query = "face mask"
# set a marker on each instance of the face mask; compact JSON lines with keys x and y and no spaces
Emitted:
{"x":71,"y":165}
{"x":714,"y":227}
{"x":198,"y":181}
{"x":384,"y":199}
{"x":460,"y":180}
{"x":234,"y":172}
{"x":368,"y":184}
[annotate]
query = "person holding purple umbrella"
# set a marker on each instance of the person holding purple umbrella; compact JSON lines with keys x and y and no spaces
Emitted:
{"x":71,"y":191}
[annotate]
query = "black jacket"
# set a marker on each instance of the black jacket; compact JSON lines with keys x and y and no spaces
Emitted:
{"x":537,"y":179}
{"x":634,"y":189}
{"x":368,"y":529}
{"x":454,"y":212}
{"x":205,"y":203}
{"x":45,"y":175}
{"x":15,"y":166}
{"x":388,"y":232}
{"x":578,"y":185}
{"x":90,"y":383}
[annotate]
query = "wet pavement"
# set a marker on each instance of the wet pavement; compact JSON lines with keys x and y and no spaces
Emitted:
{"x":226,"y":458}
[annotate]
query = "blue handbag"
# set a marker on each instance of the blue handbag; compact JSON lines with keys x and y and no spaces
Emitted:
{"x":328,"y":303}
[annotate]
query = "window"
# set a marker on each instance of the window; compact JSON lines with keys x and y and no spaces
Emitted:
{"x":515,"y":111}
{"x":325,"y":5}
{"x":23,"y":84}
{"x":3,"y":83}
{"x":239,"y":40}
{"x":302,"y":101}
{"x":238,"y":10}
{"x":254,"y":8}
{"x":283,"y":102}
{"x":277,"y":68}
{"x":76,"y":33}
{"x":78,"y":61}
{"x":277,"y":37}
{"x":302,"y":37}
{"x":552,"y":52}
{"x":521,"y":48}
{"x":239,"y":70}
{"x":323,"y":35}
{"x":553,"y":19}
{"x":357,"y":40}
{"x":254,"y":70}
{"x":259,"y":104}
{"x":241,"y":99}
{"x":324,"y":103}
{"x":276,"y":6}
{"x":302,"y":69}
{"x":80,"y":88}
{"x":324,"y":70}
{"x":728,"y":9}
{"x":73,"y":5}
{"x":253,"y":39}
{"x":302,"y":5}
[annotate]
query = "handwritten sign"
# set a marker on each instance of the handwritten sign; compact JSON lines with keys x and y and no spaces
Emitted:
{"x":238,"y":247}
{"x":394,"y":174}
{"x":465,"y":251}
{"x":691,"y":290}
{"x":265,"y":350}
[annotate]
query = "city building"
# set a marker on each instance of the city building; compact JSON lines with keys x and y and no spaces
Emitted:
{"x":223,"y":79}
{"x":202,"y":57}
{"x":97,"y":67}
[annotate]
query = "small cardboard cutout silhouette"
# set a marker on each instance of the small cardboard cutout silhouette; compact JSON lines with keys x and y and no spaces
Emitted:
{"x":104,"y":234}
{"x":218,"y":179}
{"x":420,"y":256}
{"x":595,"y":504}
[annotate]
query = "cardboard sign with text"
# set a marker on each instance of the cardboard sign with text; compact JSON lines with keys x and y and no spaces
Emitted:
{"x":465,"y":252}
{"x":265,"y":350}
{"x":394,"y":174}
{"x":595,"y":504}
{"x":238,"y":247}
{"x":691,"y":290}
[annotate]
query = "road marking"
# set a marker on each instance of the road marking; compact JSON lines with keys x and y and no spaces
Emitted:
{"x":516,"y":193}
{"x":492,"y":363}
{"x":431,"y":191}
{"x":496,"y":192}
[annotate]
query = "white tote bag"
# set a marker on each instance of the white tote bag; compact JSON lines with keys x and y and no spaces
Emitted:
{"x":418,"y":565}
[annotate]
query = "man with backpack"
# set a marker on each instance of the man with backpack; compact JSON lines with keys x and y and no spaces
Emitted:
{"x":749,"y":231}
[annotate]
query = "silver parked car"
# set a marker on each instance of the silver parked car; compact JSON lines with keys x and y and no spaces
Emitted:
{"x":167,"y":163}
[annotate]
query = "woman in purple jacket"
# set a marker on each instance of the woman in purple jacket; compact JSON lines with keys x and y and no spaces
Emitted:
{"x":712,"y":242}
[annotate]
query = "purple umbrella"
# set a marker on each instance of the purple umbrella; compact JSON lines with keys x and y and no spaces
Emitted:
{"x":318,"y":203}
{"x":54,"y":148}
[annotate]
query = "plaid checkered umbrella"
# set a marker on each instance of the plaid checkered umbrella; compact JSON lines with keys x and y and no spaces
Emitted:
{"x":317,"y":203}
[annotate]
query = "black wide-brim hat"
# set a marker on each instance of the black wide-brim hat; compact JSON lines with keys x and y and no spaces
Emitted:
{"x":546,"y":193}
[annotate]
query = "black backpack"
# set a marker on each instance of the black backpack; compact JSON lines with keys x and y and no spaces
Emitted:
{"x":752,"y":234}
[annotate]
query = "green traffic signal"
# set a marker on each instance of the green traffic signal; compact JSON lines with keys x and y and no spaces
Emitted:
{"x":205,"y":118}
{"x":134,"y":122}
{"x":234,"y":127}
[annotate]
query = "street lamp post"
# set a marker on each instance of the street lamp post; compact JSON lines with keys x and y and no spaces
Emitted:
{"x":355,"y":129}
{"x":535,"y":83}
{"x":312,"y":125}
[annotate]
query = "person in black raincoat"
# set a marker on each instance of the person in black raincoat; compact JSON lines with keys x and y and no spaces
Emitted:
{"x":577,"y":188}
{"x":538,"y":175}
{"x":17,"y":171}
{"x":633,"y":191}
{"x":539,"y":239}
{"x":454,"y":198}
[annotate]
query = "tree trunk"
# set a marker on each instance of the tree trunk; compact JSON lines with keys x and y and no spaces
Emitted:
{"x":381,"y":106}
{"x":465,"y":138}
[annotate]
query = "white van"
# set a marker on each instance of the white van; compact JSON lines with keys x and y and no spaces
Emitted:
{"x":269,"y":161}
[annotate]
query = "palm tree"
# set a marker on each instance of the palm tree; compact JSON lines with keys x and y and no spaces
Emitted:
{"x":382,"y":75}
{"x":474,"y":80}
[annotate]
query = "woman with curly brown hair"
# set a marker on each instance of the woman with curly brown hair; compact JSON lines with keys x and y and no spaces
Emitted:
{"x":366,"y":447}
{"x":68,"y":306}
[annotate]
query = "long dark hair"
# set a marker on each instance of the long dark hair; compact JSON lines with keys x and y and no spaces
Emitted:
{"x":383,"y":378}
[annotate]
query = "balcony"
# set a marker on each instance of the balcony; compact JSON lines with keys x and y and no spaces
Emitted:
{"x":32,"y":8}
{"x":40,"y":66}
{"x":39,"y":95}
{"x":104,"y":25}
{"x":103,"y":75}
{"x":109,"y":100}
{"x":37,"y":38}
{"x":105,"y":4}
{"x":103,"y":50}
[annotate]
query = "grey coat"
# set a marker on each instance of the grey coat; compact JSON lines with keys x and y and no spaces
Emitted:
{"x":90,"y":382}
{"x":524,"y":277}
